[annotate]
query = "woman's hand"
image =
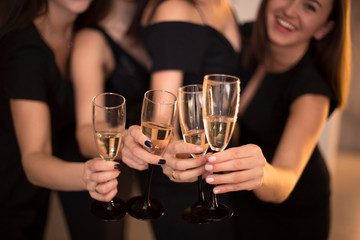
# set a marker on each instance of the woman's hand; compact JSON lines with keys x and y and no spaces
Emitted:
{"x":180,"y":166}
{"x":100,"y":178}
{"x":176,"y":161}
{"x":243,"y":169}
{"x":134,"y":153}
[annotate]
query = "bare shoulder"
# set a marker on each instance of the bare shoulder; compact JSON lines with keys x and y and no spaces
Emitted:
{"x":90,"y":45}
{"x":171,"y":10}
{"x":89,"y":38}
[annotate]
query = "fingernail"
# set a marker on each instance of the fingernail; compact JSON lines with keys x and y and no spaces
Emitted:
{"x":162,"y":161}
{"x":212,"y":159}
{"x":148,"y":143}
{"x":209,"y":180}
{"x":216,"y":191}
{"x":117,"y":166}
{"x":209,"y":167}
{"x":198,"y":149}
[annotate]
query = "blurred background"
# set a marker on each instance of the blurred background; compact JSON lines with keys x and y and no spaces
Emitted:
{"x":339,"y":142}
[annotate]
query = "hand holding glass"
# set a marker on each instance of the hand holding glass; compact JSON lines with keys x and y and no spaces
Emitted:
{"x":157,"y":123}
{"x":192,"y":128}
{"x":221,"y":99}
{"x":109,"y":115}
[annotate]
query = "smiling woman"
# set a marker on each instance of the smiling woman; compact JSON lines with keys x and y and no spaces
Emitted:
{"x":287,"y":81}
{"x":295,"y":22}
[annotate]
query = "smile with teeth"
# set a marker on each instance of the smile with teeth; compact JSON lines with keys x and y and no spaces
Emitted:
{"x":285,"y":24}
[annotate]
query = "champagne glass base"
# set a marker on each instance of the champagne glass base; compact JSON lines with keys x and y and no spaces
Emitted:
{"x":109,"y":211}
{"x":137,"y":208}
{"x":189,"y":216}
{"x":211,"y":214}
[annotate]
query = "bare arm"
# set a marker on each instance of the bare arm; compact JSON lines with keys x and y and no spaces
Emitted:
{"x":33,"y":130}
{"x":307,"y":118}
{"x":88,"y":73}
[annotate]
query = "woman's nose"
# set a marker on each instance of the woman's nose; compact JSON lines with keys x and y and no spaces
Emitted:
{"x":291,"y":8}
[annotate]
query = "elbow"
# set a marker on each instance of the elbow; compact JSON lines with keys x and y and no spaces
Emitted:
{"x":83,"y":146}
{"x":31,"y":177}
{"x":83,"y":151}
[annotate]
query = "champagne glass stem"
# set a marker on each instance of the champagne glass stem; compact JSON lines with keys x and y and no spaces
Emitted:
{"x":213,"y":199}
{"x":200,"y":190}
{"x":110,"y":205}
{"x":148,"y":187}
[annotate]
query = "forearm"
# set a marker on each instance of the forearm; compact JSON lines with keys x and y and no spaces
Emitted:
{"x":277,"y":184}
{"x":47,"y":171}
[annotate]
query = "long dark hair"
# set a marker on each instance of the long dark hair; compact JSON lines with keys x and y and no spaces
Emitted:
{"x":135,"y":24}
{"x":97,"y":10}
{"x":16,"y":14}
{"x":333,"y":52}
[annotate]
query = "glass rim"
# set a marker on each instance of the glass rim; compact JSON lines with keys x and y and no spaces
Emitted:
{"x":160,"y":90}
{"x":234,"y":78}
{"x":191,"y":85}
{"x":109,"y":93}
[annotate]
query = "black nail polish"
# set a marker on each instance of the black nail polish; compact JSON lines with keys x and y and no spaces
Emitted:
{"x":148,"y":143}
{"x":162,"y":161}
{"x":117,"y":166}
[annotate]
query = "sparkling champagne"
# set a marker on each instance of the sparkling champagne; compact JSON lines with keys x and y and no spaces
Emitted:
{"x":197,"y":137}
{"x":159,"y":134}
{"x":219,"y":130}
{"x":108,"y":144}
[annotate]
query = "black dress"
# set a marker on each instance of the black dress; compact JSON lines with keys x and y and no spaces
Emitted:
{"x":305,"y":214}
{"x":131,"y":80}
{"x":28,"y":71}
{"x":197,"y":50}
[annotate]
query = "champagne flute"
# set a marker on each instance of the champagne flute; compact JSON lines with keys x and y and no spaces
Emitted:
{"x":192,"y":128}
{"x":157,"y":123}
{"x":221,"y":99}
{"x":109,"y":116}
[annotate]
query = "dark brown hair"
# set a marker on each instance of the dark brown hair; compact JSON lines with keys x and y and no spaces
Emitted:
{"x":97,"y":10}
{"x":333,"y":52}
{"x":16,"y":14}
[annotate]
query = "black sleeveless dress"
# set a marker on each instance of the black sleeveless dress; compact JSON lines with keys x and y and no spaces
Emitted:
{"x":28,"y":71}
{"x":305,"y":214}
{"x":131,"y":80}
{"x":197,"y":50}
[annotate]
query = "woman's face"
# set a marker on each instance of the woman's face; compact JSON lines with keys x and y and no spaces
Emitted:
{"x":72,"y":6}
{"x":296,"y":22}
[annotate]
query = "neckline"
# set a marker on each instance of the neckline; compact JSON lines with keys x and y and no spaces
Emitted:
{"x":302,"y":61}
{"x":51,"y":52}
{"x":201,"y":26}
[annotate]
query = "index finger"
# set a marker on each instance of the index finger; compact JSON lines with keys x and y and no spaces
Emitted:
{"x":98,"y":164}
{"x":140,"y":138}
{"x":244,"y":151}
{"x":179,"y":146}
